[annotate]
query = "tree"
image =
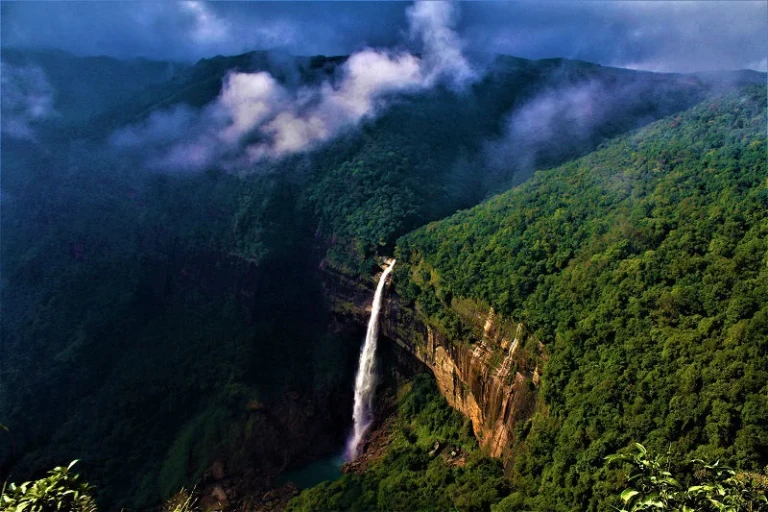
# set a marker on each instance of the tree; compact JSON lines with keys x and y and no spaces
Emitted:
{"x":717,"y":488}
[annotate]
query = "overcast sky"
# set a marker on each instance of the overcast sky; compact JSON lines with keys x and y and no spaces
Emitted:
{"x":658,"y":36}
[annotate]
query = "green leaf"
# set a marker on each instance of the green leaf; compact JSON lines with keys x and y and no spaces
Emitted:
{"x":671,"y":481}
{"x":628,"y":494}
{"x":700,"y":488}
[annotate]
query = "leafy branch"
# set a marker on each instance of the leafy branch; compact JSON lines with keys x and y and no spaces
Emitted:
{"x":718,"y":488}
{"x":60,"y":491}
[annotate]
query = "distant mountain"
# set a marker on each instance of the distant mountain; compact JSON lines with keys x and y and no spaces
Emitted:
{"x":84,"y":87}
{"x":155,"y":322}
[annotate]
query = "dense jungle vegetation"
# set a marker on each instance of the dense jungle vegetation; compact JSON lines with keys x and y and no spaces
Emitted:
{"x":642,"y":267}
{"x":155,"y":322}
{"x":417,"y":470}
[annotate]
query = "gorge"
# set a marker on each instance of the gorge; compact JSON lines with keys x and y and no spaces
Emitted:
{"x":490,"y":375}
{"x":581,"y":266}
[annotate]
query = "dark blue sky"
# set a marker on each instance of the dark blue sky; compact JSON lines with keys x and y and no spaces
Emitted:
{"x":656,"y":35}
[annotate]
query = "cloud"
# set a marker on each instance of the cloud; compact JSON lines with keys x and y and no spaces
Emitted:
{"x":432,"y":23}
{"x":27,"y":100}
{"x":758,"y":65}
{"x":658,"y":35}
{"x":256,"y":116}
{"x":368,"y":76}
{"x":188,"y":31}
{"x":669,"y":36}
{"x":692,"y":36}
{"x":207,"y":27}
{"x":564,"y":119}
{"x":533,"y":126}
{"x":163,"y":136}
{"x":249,"y":98}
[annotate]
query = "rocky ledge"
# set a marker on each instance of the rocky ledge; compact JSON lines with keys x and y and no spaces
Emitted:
{"x":492,"y":378}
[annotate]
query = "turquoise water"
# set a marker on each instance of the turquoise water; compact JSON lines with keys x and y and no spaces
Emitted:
{"x":312,"y":474}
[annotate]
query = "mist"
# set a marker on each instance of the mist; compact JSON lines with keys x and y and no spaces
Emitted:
{"x":27,"y":100}
{"x":268,"y":115}
{"x":256,"y":117}
{"x":572,"y":111}
{"x":570,"y":117}
{"x":657,"y":36}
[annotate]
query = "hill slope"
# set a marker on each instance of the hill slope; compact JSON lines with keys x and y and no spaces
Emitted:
{"x":642,"y":267}
{"x":153,"y":309}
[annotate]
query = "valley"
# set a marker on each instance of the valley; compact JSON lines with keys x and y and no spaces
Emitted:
{"x":554,"y":260}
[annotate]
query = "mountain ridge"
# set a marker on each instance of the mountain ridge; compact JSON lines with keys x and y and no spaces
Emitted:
{"x":198,"y":273}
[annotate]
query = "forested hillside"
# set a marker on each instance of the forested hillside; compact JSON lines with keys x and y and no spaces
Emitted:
{"x":157,"y":320}
{"x":642,"y":268}
{"x":432,"y":462}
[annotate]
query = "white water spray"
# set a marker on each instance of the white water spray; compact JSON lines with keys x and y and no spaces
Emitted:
{"x":365,"y":382}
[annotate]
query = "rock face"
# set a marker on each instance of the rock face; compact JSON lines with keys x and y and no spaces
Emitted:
{"x":489,"y":379}
{"x":492,"y":377}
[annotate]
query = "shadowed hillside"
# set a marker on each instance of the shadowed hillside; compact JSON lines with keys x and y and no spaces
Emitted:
{"x":158,"y":320}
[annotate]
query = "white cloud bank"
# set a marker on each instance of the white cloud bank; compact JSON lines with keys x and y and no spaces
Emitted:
{"x":255,"y":115}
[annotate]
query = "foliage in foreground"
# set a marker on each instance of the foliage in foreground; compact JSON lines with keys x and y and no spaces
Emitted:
{"x":61,"y":490}
{"x":182,"y":501}
{"x":717,"y":488}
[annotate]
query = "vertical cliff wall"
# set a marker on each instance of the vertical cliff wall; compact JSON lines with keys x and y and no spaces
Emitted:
{"x":491,"y":377}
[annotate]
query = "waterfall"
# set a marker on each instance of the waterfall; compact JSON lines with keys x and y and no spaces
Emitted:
{"x":365,"y":382}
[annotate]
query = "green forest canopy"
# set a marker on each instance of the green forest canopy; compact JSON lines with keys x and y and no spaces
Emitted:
{"x":187,"y":284}
{"x":643,"y":267}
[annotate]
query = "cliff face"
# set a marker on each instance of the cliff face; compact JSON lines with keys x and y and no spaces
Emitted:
{"x":492,"y":378}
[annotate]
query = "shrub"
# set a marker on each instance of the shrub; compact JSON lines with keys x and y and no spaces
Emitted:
{"x":61,"y":490}
{"x":717,"y":488}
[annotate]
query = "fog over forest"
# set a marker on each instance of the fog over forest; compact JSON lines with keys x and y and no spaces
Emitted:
{"x":415,"y":256}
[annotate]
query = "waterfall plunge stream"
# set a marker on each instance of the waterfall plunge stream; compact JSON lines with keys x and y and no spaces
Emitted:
{"x":365,"y":382}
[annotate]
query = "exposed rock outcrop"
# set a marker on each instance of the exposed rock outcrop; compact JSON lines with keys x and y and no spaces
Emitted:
{"x":492,"y":377}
